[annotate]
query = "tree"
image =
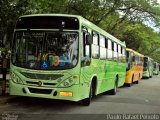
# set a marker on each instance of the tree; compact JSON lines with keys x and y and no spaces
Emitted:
{"x":125,"y":19}
{"x":10,"y":11}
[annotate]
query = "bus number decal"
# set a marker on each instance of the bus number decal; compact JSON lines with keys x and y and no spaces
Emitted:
{"x":58,"y":61}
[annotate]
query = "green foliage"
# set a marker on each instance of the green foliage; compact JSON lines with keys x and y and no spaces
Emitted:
{"x":52,"y":6}
{"x":125,"y":19}
{"x":10,"y":11}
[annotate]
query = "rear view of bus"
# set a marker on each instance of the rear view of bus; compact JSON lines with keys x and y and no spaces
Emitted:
{"x":134,"y":67}
{"x":147,"y":67}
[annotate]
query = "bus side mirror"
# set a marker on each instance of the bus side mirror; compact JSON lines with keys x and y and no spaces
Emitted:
{"x":88,"y":39}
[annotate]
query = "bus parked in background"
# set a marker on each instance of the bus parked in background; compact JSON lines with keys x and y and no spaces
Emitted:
{"x":156,"y":68}
{"x":64,"y":57}
{"x":134,"y":67}
{"x":147,"y":67}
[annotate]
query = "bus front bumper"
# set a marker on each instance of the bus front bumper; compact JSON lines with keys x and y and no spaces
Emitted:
{"x":145,"y":74}
{"x":70,"y":93}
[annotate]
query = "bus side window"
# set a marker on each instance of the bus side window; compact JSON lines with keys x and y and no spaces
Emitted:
{"x":102,"y":47}
{"x":86,"y":48}
{"x":86,"y":57}
{"x":124,"y":54}
{"x":119,"y":53}
{"x":109,"y":51}
{"x":95,"y":45}
{"x":115,"y":52}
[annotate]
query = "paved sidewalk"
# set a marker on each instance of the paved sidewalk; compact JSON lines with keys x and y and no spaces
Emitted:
{"x":7,"y":84}
{"x":5,"y":98}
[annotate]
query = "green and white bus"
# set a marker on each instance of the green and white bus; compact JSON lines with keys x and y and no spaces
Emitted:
{"x":147,"y":67}
{"x":156,"y":68}
{"x":65,"y":57}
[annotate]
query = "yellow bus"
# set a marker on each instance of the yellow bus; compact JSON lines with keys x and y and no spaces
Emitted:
{"x":134,"y":68}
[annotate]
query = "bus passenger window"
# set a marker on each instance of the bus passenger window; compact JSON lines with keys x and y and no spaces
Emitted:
{"x":115,"y":51}
{"x":102,"y":48}
{"x":123,"y":54}
{"x":86,"y":51}
{"x":109,"y":49}
{"x":95,"y":46}
{"x":119,"y":53}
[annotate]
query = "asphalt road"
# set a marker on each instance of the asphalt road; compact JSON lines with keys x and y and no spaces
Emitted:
{"x":140,"y":99}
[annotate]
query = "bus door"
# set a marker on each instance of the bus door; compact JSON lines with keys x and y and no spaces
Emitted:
{"x":86,"y":70}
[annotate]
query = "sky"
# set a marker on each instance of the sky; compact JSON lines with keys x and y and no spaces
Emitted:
{"x":150,"y":24}
{"x":157,"y":29}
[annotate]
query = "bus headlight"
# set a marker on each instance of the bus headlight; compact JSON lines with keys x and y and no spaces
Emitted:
{"x":68,"y":82}
{"x":15,"y":78}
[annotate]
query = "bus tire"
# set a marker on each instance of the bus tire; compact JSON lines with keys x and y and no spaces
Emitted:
{"x":114,"y":90}
{"x":87,"y":101}
{"x":147,"y":77}
{"x":130,"y":84}
{"x":150,"y":75}
{"x":137,"y":82}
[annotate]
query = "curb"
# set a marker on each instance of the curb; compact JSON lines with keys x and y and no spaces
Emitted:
{"x":6,"y":98}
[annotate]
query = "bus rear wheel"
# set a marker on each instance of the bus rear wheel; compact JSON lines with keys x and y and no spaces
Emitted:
{"x":137,"y":82}
{"x":130,"y":84}
{"x":114,"y":90}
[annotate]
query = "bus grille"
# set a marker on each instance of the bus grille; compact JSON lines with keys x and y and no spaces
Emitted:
{"x":40,"y":91}
{"x":36,"y":83}
{"x":42,"y":76}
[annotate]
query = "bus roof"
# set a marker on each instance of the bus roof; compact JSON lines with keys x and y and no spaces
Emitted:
{"x":86,"y":23}
{"x":135,"y":52}
{"x":148,"y":57}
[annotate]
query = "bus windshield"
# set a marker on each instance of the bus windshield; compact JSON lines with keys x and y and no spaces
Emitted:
{"x":45,"y":50}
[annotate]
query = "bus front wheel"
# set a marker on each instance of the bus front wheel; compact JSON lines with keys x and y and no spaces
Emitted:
{"x":87,"y":101}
